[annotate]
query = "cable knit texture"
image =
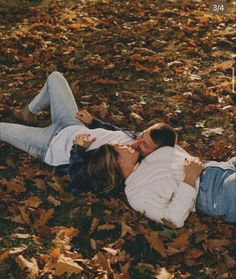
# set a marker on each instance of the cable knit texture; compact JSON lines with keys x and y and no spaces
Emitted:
{"x":156,"y":187}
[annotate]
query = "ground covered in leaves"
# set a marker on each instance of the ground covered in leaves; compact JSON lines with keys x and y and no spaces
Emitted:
{"x":130,"y":63}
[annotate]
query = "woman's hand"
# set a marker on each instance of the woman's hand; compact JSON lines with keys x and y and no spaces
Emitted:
{"x":84,"y":116}
{"x":84,"y":140}
{"x":192,"y":169}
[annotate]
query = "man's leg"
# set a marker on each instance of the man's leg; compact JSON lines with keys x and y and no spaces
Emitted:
{"x":230,"y":197}
{"x":34,"y":141}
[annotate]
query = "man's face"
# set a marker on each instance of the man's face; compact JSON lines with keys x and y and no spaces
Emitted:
{"x":144,"y":143}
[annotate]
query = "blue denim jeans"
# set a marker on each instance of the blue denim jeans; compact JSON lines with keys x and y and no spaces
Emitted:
{"x":217,"y":191}
{"x":34,"y":140}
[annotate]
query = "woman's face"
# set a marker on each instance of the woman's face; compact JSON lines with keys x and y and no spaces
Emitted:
{"x":125,"y":153}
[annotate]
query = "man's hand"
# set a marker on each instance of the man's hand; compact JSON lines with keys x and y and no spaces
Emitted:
{"x":84,"y":140}
{"x":192,"y":169}
{"x":84,"y":116}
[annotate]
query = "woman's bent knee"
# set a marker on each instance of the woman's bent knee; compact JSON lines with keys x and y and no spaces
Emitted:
{"x":55,"y":75}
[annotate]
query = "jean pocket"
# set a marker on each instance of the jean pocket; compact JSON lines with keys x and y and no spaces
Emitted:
{"x":202,"y":203}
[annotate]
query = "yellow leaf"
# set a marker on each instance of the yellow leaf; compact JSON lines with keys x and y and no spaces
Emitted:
{"x":67,"y":265}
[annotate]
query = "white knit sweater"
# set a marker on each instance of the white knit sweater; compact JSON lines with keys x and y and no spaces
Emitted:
{"x":156,"y":187}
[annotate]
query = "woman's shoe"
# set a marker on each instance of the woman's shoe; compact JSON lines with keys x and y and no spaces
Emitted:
{"x":24,"y":115}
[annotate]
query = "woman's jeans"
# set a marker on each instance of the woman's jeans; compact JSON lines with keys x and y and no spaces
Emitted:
{"x":33,"y":140}
{"x":217,"y":191}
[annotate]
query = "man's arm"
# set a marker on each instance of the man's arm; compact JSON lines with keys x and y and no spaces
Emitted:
{"x":168,"y":199}
{"x":173,"y":208}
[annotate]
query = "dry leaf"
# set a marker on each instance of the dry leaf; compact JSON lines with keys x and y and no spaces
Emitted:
{"x":31,"y":266}
{"x":126,"y":229}
{"x":104,"y":262}
{"x":67,"y":265}
{"x":53,"y":201}
{"x":156,"y":242}
{"x":17,"y":250}
{"x":106,"y":227}
{"x":32,"y":202}
{"x":44,"y":216}
{"x":137,"y":118}
{"x":24,"y":214}
{"x":162,"y":273}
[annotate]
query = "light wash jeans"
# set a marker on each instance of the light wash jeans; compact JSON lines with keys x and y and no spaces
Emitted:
{"x":34,"y":140}
{"x":217,"y":191}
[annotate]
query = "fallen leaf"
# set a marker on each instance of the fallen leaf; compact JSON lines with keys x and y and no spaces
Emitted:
{"x":30,"y":266}
{"x":103,"y":261}
{"x":67,"y":265}
{"x":106,"y":227}
{"x":44,"y":216}
{"x":31,"y":202}
{"x":156,"y":242}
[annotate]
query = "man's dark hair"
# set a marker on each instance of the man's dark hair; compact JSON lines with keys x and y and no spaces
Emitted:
{"x":163,"y":135}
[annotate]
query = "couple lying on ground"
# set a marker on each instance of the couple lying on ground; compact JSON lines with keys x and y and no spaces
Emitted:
{"x":160,"y":179}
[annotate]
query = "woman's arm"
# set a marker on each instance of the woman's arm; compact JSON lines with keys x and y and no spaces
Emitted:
{"x":79,"y":179}
{"x":93,"y":123}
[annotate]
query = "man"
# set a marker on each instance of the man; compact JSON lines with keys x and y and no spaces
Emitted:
{"x":169,"y":183}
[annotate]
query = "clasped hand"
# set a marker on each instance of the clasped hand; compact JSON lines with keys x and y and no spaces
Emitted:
{"x":84,"y":140}
{"x":192,"y":169}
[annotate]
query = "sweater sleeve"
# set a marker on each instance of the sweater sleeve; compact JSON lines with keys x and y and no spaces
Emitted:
{"x":79,"y":179}
{"x":173,"y":207}
{"x":97,"y":123}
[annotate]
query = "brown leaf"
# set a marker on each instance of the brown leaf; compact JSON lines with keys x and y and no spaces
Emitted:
{"x":94,"y":224}
{"x":118,"y":244}
{"x":145,"y":266}
{"x":156,"y":242}
{"x":106,"y":227}
{"x":182,"y":240}
{"x":14,"y":187}
{"x":25,"y":214}
{"x":110,"y":250}
{"x":193,"y":253}
{"x":137,"y":118}
{"x":31,"y":202}
{"x":93,"y":244}
{"x":126,"y":229}
{"x":104,"y":262}
{"x":112,"y":204}
{"x":162,"y":273}
{"x":31,"y":266}
{"x":67,"y":265}
{"x":40,"y":184}
{"x":17,"y":250}
{"x":53,"y":201}
{"x":44,"y":216}
{"x":57,"y":186}
{"x":4,"y":255}
{"x":55,"y":253}
{"x":217,"y":244}
{"x":106,"y":81}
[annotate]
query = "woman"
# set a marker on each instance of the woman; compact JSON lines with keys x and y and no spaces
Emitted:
{"x":52,"y":144}
{"x":169,"y":183}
